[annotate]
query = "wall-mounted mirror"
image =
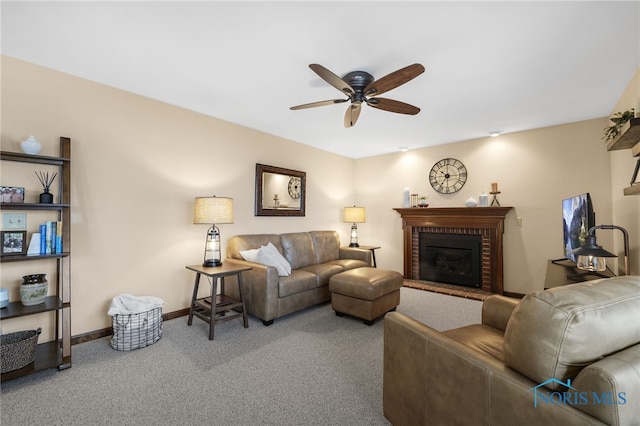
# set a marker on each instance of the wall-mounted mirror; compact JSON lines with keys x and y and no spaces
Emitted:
{"x":279,"y":191}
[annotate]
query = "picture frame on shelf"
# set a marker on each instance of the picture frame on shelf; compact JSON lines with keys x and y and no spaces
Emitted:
{"x":14,"y":221}
{"x":12,"y":194}
{"x":13,"y":242}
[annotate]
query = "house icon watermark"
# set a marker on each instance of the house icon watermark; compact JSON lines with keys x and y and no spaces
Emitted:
{"x":572,"y":396}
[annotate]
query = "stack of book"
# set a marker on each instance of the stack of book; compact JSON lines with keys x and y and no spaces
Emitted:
{"x":51,"y":237}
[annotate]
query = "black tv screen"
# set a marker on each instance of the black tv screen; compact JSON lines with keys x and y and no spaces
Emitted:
{"x":577,"y":218}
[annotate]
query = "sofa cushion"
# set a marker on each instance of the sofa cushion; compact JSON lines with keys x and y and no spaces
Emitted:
{"x":297,"y":282}
{"x":348,"y":264}
{"x":326,"y":244}
{"x":557,"y":332}
{"x":269,"y":255}
{"x":481,"y":338}
{"x":323,"y":272}
{"x":298,"y":249}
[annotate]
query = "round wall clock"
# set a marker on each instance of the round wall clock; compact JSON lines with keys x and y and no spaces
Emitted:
{"x":294,"y":188}
{"x":448,"y":176}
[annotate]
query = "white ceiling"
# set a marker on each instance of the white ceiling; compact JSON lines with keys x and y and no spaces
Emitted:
{"x":506,"y":66}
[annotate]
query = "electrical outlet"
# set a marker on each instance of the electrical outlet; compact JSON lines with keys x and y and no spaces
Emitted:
{"x":519,"y":221}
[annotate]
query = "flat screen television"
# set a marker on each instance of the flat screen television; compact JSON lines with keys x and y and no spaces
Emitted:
{"x":577,"y":218}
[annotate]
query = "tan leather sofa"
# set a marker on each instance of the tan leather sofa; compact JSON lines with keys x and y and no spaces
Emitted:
{"x":565,"y":356}
{"x":314,"y":257}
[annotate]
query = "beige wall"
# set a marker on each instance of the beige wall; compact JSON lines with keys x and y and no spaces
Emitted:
{"x":138,"y":164}
{"x":535,"y":170}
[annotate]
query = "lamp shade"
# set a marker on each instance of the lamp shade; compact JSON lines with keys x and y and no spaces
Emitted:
{"x":355,"y":214}
{"x":591,"y":248}
{"x":210,"y":210}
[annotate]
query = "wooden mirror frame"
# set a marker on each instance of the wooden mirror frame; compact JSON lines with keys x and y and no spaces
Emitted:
{"x":261,"y":169}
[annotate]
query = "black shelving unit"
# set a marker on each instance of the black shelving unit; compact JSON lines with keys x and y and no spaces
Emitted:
{"x":56,"y":353}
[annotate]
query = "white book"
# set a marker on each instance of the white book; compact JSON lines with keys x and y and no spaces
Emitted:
{"x":34,"y":244}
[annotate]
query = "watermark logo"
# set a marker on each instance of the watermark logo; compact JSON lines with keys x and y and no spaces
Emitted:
{"x":571,"y":396}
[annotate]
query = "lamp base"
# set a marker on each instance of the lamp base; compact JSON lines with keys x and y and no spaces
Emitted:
{"x":212,"y":263}
{"x":354,"y":245}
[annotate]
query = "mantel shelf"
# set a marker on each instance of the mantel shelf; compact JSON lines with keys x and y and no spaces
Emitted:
{"x":453,"y":211}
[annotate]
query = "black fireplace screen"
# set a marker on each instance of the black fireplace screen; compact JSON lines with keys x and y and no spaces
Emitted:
{"x":451,"y":258}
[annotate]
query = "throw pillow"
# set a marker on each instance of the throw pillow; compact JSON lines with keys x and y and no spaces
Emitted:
{"x":269,"y":255}
{"x":250,"y":255}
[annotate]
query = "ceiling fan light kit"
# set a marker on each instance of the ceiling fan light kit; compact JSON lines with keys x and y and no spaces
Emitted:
{"x":361,"y":87}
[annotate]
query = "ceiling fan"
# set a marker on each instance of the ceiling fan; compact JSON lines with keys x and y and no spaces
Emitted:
{"x":360,"y":86}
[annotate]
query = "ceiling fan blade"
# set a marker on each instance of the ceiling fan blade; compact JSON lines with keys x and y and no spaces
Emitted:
{"x":393,"y":106}
{"x":319,"y":103}
{"x":332,"y":79}
{"x":352,"y":114}
{"x":393,"y":80}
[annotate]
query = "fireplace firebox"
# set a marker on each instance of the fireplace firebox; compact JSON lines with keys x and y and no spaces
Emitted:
{"x":487,"y":222}
{"x":451,"y":258}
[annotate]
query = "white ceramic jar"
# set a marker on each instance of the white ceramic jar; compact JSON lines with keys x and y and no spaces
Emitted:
{"x":31,"y":146}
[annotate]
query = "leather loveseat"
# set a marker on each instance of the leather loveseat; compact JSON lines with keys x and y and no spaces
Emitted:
{"x":313,"y":256}
{"x":565,"y":356}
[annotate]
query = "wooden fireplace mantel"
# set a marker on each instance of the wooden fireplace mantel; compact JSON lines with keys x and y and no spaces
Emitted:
{"x":486,"y":221}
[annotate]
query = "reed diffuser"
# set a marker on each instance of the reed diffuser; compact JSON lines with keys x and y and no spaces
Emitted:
{"x":46,"y":180}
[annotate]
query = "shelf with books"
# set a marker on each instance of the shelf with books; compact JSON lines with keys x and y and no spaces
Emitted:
{"x":55,"y":353}
{"x":23,"y":257}
{"x":33,"y":206}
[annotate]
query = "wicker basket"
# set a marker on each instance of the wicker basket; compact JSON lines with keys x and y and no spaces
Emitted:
{"x":18,"y":349}
{"x":134,"y":331}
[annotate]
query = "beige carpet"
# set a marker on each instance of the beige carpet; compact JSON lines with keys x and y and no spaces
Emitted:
{"x":309,"y":368}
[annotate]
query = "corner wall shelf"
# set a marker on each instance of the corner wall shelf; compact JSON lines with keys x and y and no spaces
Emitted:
{"x":629,"y":136}
{"x":632,"y":190}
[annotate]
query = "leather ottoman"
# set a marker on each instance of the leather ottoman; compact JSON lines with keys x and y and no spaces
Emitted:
{"x":366,"y":293}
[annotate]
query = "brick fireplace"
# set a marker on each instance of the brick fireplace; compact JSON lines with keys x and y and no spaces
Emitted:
{"x":483,"y":224}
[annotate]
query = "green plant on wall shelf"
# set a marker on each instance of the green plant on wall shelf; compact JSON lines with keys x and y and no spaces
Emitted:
{"x":619,"y":119}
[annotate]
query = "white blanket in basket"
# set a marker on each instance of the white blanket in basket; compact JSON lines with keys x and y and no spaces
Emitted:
{"x":129,"y":304}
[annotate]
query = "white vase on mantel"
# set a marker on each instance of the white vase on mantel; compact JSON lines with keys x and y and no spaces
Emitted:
{"x":31,"y":146}
{"x":471,"y":202}
{"x":406,"y":198}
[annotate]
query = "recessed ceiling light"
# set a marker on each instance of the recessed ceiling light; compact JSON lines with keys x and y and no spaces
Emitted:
{"x":495,"y":133}
{"x":403,"y":149}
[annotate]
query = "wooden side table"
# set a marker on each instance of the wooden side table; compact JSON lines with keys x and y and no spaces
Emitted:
{"x":373,"y":252}
{"x":213,"y":309}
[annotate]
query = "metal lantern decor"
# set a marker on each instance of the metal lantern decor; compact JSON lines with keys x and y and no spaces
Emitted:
{"x":591,"y":256}
{"x":211,"y":211}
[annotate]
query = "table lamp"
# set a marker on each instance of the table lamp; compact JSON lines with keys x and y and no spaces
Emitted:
{"x":354,"y":215}
{"x":209,"y":211}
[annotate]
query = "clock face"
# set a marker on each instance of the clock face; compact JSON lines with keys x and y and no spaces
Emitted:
{"x":448,"y":176}
{"x":294,"y":188}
